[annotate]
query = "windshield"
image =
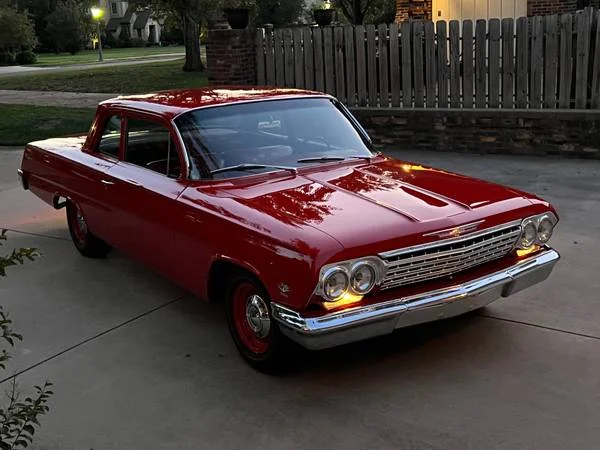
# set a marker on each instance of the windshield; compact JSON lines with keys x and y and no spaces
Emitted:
{"x":248,"y":138}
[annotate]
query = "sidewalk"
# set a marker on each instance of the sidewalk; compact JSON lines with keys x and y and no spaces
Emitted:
{"x":17,"y":70}
{"x":53,"y":98}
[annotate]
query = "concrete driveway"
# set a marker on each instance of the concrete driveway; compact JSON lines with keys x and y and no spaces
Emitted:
{"x":139,"y":364}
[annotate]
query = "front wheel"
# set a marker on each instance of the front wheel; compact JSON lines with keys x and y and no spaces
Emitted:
{"x":87,"y":243}
{"x":251,"y":325}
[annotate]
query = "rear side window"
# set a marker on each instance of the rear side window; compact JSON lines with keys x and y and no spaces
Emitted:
{"x":150,"y":145}
{"x":111,"y":136}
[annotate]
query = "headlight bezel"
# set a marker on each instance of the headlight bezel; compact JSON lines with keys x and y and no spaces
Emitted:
{"x":536,"y":221}
{"x":349,"y":268}
{"x":330,"y":273}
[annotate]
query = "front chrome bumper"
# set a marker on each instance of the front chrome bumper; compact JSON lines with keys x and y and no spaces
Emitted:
{"x":374,"y":320}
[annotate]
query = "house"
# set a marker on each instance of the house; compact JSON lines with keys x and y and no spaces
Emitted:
{"x":485,"y":9}
{"x":125,"y":21}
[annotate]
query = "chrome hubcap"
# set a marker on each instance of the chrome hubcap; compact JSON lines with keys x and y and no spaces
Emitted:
{"x":81,"y":223}
{"x":257,"y":315}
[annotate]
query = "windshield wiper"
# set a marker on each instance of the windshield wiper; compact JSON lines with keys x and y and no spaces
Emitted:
{"x":333,"y":158}
{"x":252,"y":166}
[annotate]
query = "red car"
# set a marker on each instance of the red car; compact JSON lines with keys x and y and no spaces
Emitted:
{"x":275,"y":201}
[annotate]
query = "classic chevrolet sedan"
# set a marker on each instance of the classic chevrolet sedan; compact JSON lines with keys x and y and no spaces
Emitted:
{"x":275,"y":202}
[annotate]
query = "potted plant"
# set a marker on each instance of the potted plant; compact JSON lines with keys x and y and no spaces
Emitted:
{"x":324,"y":13}
{"x":238,"y":13}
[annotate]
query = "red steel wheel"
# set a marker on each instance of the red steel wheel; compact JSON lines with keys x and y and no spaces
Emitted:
{"x":251,"y":318}
{"x":78,"y":224}
{"x":87,"y":243}
{"x":255,"y":333}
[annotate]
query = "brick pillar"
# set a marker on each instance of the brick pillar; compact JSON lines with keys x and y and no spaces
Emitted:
{"x":546,"y":7}
{"x":402,"y":7}
{"x":230,"y":57}
{"x":408,"y":9}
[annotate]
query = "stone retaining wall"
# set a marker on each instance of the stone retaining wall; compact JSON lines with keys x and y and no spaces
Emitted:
{"x":566,"y":133}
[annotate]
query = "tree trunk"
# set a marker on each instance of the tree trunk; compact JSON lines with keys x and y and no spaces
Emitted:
{"x":191,"y":37}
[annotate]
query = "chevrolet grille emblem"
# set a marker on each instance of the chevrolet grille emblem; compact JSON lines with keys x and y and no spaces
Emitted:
{"x":456,"y":231}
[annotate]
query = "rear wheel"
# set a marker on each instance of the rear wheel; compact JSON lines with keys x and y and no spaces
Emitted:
{"x":87,"y":243}
{"x":251,"y":325}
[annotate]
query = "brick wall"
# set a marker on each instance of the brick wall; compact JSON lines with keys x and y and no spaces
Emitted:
{"x":407,"y":9}
{"x":231,"y":57}
{"x":566,"y":133}
{"x":544,"y":7}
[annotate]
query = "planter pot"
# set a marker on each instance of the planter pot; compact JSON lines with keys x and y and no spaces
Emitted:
{"x":237,"y":17}
{"x":323,"y":17}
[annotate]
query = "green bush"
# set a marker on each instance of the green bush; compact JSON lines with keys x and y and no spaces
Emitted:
{"x":137,"y":42}
{"x":7,"y":59}
{"x":26,"y":57}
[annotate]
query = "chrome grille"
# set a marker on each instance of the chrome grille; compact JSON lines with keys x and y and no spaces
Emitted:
{"x":444,"y":258}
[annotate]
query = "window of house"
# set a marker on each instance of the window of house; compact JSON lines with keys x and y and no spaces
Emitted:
{"x":150,"y":145}
{"x":113,"y":7}
{"x":111,"y":137}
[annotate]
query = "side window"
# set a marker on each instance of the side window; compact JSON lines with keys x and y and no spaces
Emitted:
{"x":150,"y":145}
{"x":111,"y":136}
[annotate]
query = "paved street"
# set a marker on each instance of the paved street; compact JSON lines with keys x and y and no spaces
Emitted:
{"x":139,"y":364}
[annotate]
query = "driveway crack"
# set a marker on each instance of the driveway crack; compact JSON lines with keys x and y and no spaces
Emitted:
{"x":543,"y":327}
{"x":93,"y":338}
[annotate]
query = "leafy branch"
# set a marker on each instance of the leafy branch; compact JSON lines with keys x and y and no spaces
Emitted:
{"x":18,"y":256}
{"x":20,"y":417}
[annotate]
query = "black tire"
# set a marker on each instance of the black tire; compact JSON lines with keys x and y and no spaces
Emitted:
{"x":277,"y":356}
{"x":84,"y":240}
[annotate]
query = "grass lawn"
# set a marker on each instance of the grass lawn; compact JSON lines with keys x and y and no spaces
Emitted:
{"x":128,"y":79}
{"x":21,"y":124}
{"x":113,"y":54}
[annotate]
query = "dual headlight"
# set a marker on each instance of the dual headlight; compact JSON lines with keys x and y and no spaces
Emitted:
{"x":357,"y":277}
{"x":536,"y":230}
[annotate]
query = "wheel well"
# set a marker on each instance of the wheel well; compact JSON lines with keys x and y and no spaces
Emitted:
{"x":221,"y":271}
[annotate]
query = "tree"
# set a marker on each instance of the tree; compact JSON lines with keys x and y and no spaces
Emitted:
{"x":190,"y":14}
{"x":354,"y":10}
{"x":19,"y":418}
{"x":358,"y":12}
{"x":381,"y":11}
{"x":278,"y":12}
{"x":16,"y":31}
{"x":65,"y":27}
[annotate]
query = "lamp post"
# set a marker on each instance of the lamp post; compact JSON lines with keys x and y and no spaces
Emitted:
{"x":97,"y":14}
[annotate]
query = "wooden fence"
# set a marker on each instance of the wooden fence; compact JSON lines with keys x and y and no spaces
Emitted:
{"x":536,"y":62}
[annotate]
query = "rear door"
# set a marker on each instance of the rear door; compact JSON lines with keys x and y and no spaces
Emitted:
{"x":89,"y":177}
{"x":145,"y":185}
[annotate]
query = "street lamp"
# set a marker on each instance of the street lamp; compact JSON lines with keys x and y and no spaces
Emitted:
{"x":97,"y":14}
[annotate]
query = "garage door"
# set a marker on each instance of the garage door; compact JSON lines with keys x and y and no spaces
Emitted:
{"x":478,"y":9}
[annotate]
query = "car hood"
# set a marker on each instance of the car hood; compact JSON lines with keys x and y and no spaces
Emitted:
{"x":379,"y":206}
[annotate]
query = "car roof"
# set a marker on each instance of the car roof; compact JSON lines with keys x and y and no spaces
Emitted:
{"x":173,"y":102}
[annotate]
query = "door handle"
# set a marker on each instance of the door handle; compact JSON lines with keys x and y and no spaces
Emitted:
{"x":132,"y":182}
{"x":107,"y":182}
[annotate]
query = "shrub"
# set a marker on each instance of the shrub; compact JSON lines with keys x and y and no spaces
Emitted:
{"x":137,"y":42}
{"x":7,"y":59}
{"x":109,"y":40}
{"x":26,"y":57}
